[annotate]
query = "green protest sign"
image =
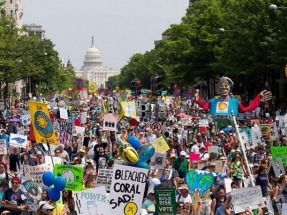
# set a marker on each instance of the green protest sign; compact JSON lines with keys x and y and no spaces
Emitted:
{"x":72,"y":174}
{"x":279,"y":151}
{"x":166,"y":204}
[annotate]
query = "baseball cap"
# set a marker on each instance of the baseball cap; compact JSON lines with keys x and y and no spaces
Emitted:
{"x":44,"y":205}
{"x":82,"y":150}
{"x":183,"y":187}
{"x":15,"y":179}
{"x":183,"y":153}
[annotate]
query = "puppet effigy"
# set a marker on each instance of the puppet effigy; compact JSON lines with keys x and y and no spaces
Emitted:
{"x":225,"y":104}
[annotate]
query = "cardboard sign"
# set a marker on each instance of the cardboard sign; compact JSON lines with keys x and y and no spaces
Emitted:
{"x":63,"y":113}
{"x":277,"y":166}
{"x":246,"y":197}
{"x":92,"y":201}
{"x":32,"y":189}
{"x":160,"y":145}
{"x":41,"y":123}
{"x":279,"y":151}
{"x":127,"y":189}
{"x":35,"y":173}
{"x":166,"y":202}
{"x":72,"y":174}
{"x":104,"y":178}
{"x":158,"y":160}
{"x":3,"y":147}
{"x":218,"y":166}
{"x":110,"y":122}
{"x":18,"y":140}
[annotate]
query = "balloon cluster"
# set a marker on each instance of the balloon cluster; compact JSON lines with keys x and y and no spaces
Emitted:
{"x":133,"y":153}
{"x":59,"y":183}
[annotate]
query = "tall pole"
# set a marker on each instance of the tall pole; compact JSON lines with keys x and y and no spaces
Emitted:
{"x":242,"y":148}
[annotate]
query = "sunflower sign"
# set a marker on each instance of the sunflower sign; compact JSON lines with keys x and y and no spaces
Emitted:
{"x":92,"y":87}
{"x":41,"y":123}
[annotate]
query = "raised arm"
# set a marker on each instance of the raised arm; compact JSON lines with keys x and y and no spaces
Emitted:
{"x":198,"y":100}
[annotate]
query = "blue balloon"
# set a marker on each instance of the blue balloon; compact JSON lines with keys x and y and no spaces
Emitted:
{"x":48,"y":178}
{"x":142,"y":164}
{"x":146,"y":152}
{"x":134,"y":142}
{"x":53,"y":194}
{"x":60,"y":183}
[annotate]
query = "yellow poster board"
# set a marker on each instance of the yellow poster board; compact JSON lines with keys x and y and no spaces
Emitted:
{"x":92,"y":87}
{"x":41,"y":123}
{"x":160,"y":145}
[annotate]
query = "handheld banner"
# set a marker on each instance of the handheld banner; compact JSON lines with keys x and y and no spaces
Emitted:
{"x":41,"y":123}
{"x":72,"y":174}
{"x":127,"y":189}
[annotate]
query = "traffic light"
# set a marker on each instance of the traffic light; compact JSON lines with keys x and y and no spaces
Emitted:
{"x":134,"y":84}
{"x":136,"y":87}
{"x":156,"y":85}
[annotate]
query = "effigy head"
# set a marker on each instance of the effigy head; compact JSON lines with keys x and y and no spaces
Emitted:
{"x":225,"y":86}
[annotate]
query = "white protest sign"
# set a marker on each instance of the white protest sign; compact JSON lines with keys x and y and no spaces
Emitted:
{"x":284,"y":209}
{"x":246,"y":197}
{"x":18,"y":140}
{"x":35,"y":173}
{"x":158,"y":160}
{"x":56,"y":160}
{"x":84,"y":117}
{"x":80,"y":130}
{"x":104,"y":178}
{"x":63,"y":113}
{"x":269,"y":205}
{"x":93,"y":201}
{"x":3,"y":147}
{"x":110,"y":122}
{"x":127,"y":189}
{"x":227,"y":184}
{"x":25,"y":119}
{"x":277,"y":166}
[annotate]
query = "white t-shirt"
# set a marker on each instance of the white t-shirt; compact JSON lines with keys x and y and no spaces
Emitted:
{"x":91,"y":147}
{"x":203,"y":156}
{"x":180,"y":198}
{"x":194,"y":149}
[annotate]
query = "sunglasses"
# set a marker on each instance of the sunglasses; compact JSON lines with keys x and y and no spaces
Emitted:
{"x":15,"y":183}
{"x":180,"y":206}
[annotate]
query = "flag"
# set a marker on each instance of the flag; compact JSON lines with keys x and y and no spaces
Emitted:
{"x":121,"y":111}
{"x":41,"y":123}
{"x":79,"y":84}
{"x":104,"y":106}
{"x":92,"y":87}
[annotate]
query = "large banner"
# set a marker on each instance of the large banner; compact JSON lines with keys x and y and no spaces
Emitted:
{"x":93,"y":201}
{"x":72,"y":174}
{"x":41,"y":123}
{"x":127,"y":189}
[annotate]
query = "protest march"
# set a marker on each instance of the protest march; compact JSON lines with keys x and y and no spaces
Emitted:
{"x":107,"y":154}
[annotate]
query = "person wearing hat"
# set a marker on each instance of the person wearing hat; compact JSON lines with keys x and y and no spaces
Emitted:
{"x":45,"y":208}
{"x":149,"y":202}
{"x":183,"y":195}
{"x":181,"y":164}
{"x":14,"y":199}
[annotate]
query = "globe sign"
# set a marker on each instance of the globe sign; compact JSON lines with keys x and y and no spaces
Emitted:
{"x":43,"y":124}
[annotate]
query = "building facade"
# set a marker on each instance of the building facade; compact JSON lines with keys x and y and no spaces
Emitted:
{"x":93,"y":70}
{"x":35,"y":30}
{"x":15,"y":9}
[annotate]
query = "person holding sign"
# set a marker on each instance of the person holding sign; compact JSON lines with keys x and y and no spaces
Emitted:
{"x":225,"y":103}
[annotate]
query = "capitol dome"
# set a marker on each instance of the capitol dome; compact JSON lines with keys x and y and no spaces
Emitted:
{"x":93,"y":57}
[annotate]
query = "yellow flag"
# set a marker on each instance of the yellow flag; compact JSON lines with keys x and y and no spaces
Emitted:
{"x":121,"y":111}
{"x":41,"y":123}
{"x":92,"y":87}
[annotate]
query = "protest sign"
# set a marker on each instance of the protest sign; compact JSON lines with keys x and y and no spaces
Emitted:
{"x":213,"y":149}
{"x":104,"y":178}
{"x":193,"y":165}
{"x":279,"y":151}
{"x":18,"y":140}
{"x":160,"y":145}
{"x":246,"y":197}
{"x":80,"y":130}
{"x":84,"y":117}
{"x":25,"y":120}
{"x":32,"y":189}
{"x":269,"y":205}
{"x":93,"y":201}
{"x":158,"y":160}
{"x":63,"y":113}
{"x":166,"y":173}
{"x":218,"y":166}
{"x":166,"y":202}
{"x":265,"y":130}
{"x":3,"y":146}
{"x":277,"y":166}
{"x":72,"y":174}
{"x":35,"y":173}
{"x":110,"y":122}
{"x":284,"y":209}
{"x":127,"y":189}
{"x":41,"y":123}
{"x":194,"y":157}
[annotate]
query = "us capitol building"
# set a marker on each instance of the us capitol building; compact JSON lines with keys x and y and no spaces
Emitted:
{"x":93,"y":69}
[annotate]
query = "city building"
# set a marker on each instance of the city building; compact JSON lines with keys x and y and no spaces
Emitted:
{"x":13,"y":8}
{"x":93,"y":70}
{"x":35,"y":30}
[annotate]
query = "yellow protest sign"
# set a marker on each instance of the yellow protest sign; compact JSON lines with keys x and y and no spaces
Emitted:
{"x":160,"y":145}
{"x":41,"y":123}
{"x":92,"y":87}
{"x":130,"y":108}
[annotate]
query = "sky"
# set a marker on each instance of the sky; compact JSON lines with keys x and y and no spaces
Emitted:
{"x":120,"y":28}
